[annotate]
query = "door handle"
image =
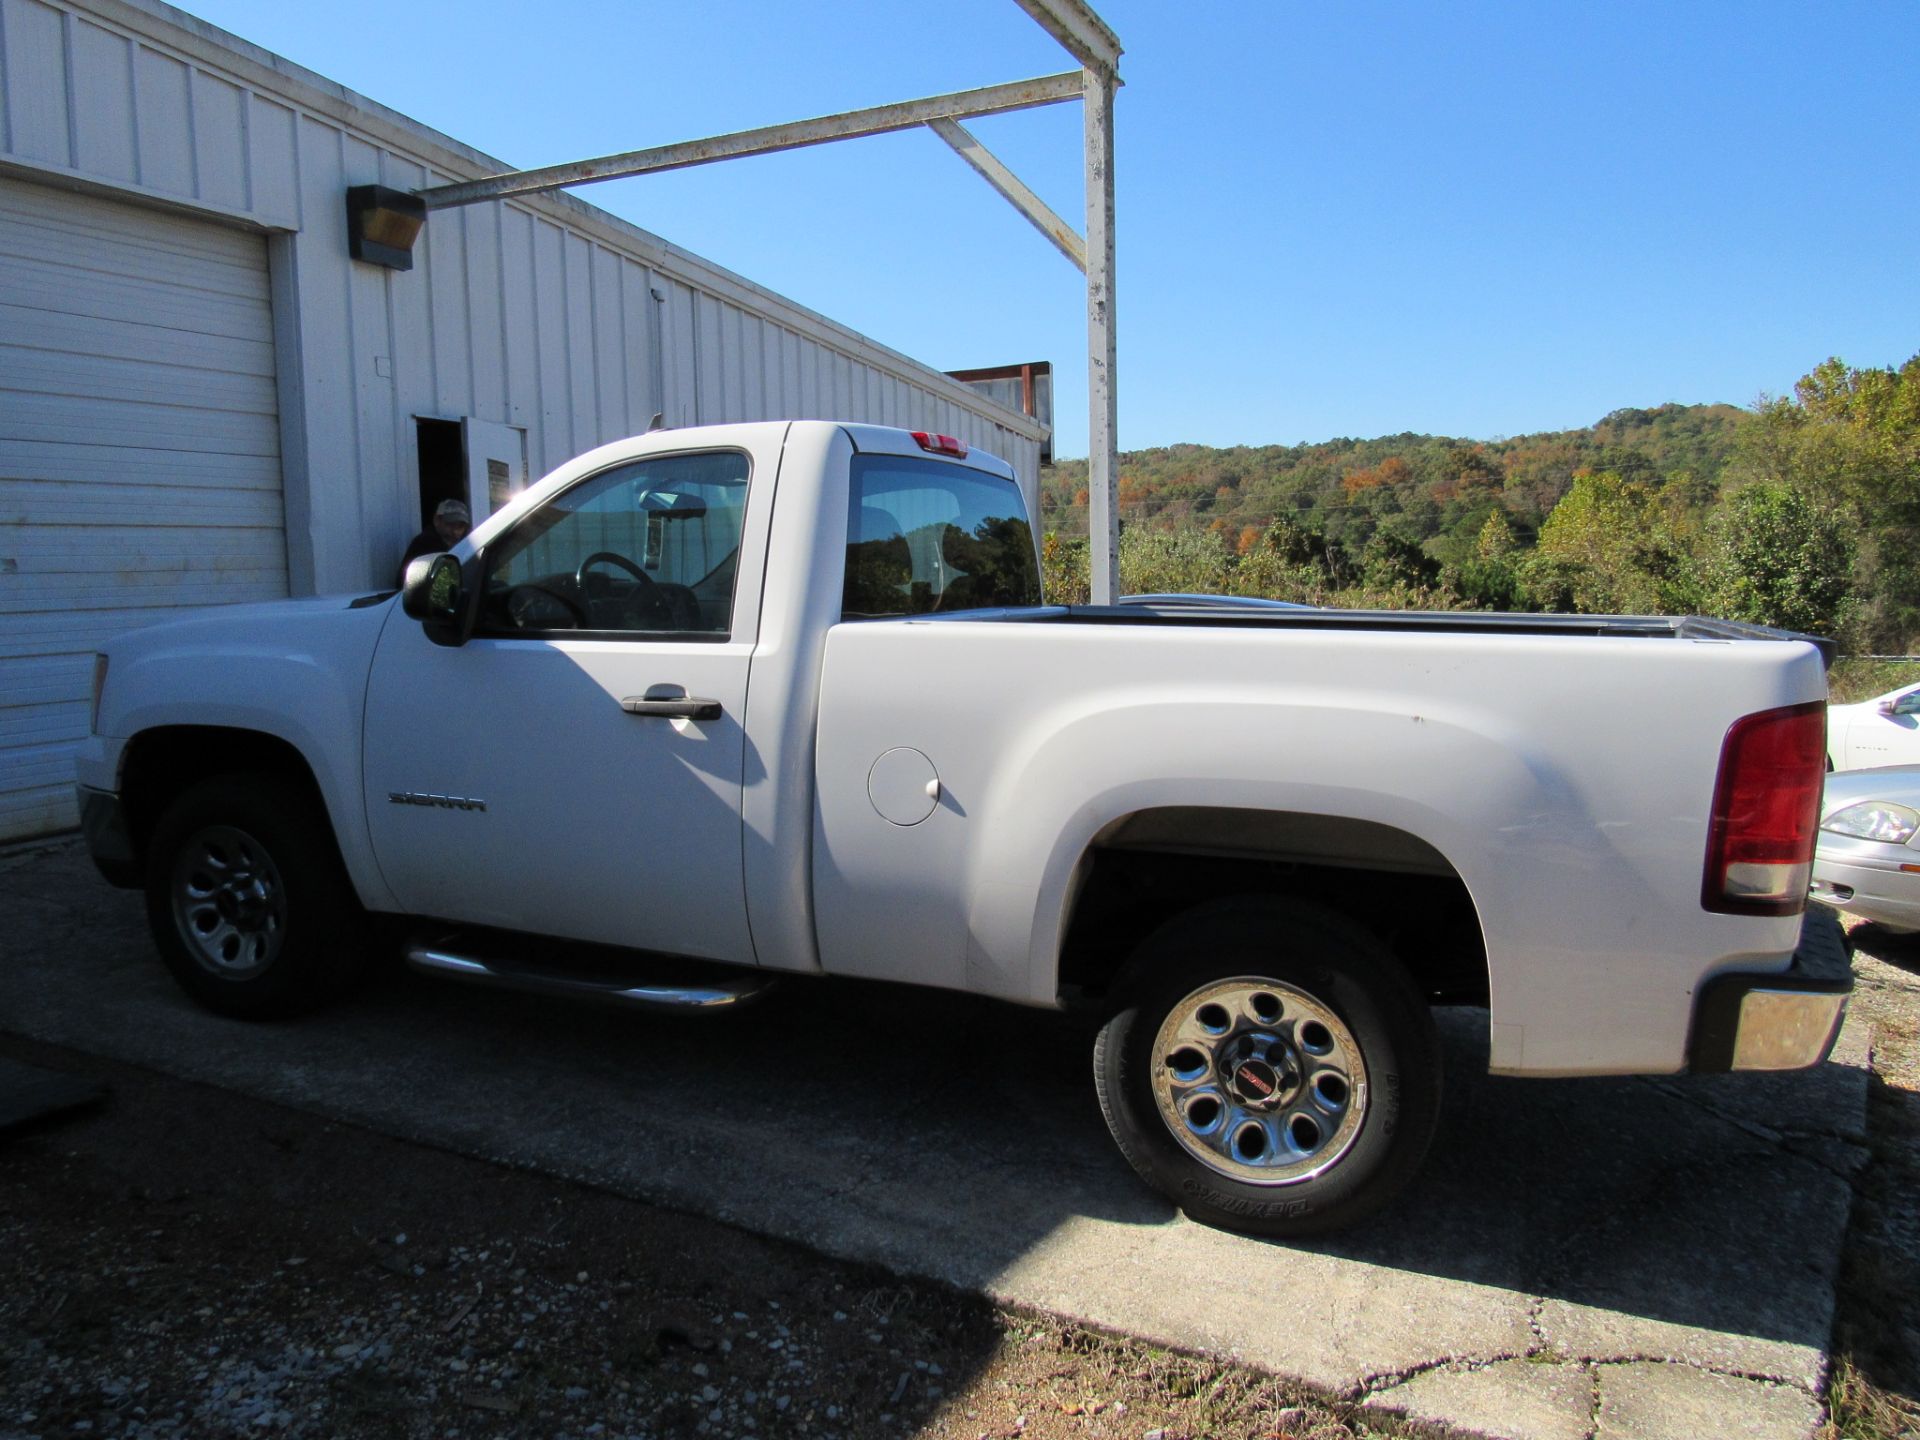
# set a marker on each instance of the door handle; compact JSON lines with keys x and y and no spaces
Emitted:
{"x":672,"y":707}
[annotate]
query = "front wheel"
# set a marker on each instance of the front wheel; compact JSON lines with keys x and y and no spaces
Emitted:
{"x":248,"y":901}
{"x":1271,"y":1069}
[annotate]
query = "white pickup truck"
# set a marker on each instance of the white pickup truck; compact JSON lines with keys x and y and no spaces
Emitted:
{"x":708,"y":707}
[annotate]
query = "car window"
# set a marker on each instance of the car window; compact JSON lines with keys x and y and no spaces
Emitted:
{"x":925,"y":536}
{"x":645,"y":548}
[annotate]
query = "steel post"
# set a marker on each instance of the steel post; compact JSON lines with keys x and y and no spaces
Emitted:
{"x":1103,"y":427}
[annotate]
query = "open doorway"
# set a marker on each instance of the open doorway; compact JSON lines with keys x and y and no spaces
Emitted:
{"x":443,"y":465}
{"x":481,"y":463}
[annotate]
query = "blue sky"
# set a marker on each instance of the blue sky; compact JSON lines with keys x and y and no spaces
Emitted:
{"x":1334,"y":219}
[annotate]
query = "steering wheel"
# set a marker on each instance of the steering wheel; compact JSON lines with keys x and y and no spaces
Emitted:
{"x":524,"y":610}
{"x":646,"y":580}
{"x":648,"y":593}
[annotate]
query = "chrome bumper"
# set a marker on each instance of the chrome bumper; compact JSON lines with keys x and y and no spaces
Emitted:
{"x":1784,"y":1021}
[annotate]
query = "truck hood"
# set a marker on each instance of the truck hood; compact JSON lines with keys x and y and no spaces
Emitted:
{"x":252,"y":625}
{"x":253,"y":667}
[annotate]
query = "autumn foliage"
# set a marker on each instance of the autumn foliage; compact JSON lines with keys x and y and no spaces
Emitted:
{"x":1802,"y":512}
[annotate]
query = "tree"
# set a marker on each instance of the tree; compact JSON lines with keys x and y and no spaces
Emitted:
{"x":1301,"y":546}
{"x":1607,"y":549}
{"x":1391,"y":560}
{"x":1065,"y":571}
{"x":1776,"y":556}
{"x":1849,"y":440}
{"x":1176,"y":561}
{"x":1496,"y":540}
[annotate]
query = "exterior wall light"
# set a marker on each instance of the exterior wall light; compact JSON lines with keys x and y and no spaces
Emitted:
{"x":382,"y":225}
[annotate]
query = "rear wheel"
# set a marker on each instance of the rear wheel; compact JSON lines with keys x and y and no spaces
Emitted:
{"x":248,"y":901}
{"x":1271,"y":1069}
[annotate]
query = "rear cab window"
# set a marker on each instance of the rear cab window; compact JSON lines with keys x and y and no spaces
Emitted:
{"x":926,"y":537}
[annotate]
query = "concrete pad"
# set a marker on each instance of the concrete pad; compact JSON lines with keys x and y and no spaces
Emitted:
{"x":959,"y":1140}
{"x":1765,"y":1309}
{"x":1510,"y":1399}
{"x":1675,"y":1402}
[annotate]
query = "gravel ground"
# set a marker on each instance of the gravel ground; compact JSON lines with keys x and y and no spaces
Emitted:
{"x":182,"y":1261}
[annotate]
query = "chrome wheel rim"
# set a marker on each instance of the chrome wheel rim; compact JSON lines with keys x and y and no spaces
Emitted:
{"x":229,"y":904}
{"x":1259,"y":1081}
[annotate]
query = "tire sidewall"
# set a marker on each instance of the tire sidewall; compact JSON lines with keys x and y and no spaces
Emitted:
{"x":1340,"y":966}
{"x":321,"y":951}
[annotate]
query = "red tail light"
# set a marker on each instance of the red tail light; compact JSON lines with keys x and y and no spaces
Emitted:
{"x":940,"y":444}
{"x":1766,"y":805}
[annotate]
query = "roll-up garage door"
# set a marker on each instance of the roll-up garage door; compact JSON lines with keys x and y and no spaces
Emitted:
{"x":139,"y":455}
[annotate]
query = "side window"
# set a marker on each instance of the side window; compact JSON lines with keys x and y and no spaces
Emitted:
{"x":925,"y":536}
{"x":646,"y":548}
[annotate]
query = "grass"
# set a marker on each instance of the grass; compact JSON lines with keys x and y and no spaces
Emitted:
{"x":1856,"y":679}
{"x":1860,"y":1410}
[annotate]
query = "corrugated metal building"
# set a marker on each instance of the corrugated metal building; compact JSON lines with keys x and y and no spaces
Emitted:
{"x":204,"y":400}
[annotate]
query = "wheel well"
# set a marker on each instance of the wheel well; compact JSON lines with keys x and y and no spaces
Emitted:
{"x":1146,"y":868}
{"x":162,"y":763}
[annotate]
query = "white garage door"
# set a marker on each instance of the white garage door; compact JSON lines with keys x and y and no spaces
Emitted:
{"x":139,"y":455}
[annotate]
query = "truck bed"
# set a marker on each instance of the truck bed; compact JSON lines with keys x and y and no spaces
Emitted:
{"x":1237,"y":611}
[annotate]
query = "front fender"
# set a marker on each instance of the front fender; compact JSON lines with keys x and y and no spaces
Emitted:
{"x":296,"y":671}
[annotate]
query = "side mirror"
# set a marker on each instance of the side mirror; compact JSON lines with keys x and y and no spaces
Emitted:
{"x":1901,"y":705}
{"x":435,"y":594}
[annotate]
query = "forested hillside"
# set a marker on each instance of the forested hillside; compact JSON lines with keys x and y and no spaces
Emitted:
{"x":1803,"y":511}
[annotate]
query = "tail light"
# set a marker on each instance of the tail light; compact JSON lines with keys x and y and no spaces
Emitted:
{"x":940,"y":444}
{"x":1766,"y":805}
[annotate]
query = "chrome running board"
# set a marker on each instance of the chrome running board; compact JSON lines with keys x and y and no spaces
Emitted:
{"x":715,"y":992}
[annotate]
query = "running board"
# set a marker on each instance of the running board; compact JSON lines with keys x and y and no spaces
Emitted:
{"x":714,"y":992}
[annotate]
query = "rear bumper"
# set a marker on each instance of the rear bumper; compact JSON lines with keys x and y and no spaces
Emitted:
{"x":109,"y":841}
{"x":1783,"y":1021}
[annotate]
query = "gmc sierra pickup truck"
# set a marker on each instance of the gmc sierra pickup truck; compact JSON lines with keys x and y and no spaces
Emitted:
{"x":708,"y":707}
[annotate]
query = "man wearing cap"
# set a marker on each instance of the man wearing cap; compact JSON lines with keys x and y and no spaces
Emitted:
{"x":451,"y":521}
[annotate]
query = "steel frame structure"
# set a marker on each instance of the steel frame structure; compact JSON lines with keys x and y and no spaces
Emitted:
{"x":1087,"y":38}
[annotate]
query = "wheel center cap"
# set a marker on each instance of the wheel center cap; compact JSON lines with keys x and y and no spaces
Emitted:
{"x":1255,"y":1082}
{"x":242,"y":902}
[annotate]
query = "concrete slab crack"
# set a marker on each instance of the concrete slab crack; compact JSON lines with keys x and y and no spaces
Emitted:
{"x":1377,"y":1381}
{"x":1758,"y":1377}
{"x":1782,"y":1139}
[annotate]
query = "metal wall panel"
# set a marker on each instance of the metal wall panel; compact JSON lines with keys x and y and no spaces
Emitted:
{"x":538,"y":314}
{"x":139,"y":455}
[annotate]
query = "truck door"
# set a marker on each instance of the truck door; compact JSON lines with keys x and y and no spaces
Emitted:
{"x":575,"y":768}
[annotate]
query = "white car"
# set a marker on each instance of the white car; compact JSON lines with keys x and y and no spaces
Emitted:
{"x":1882,"y":731}
{"x":1867,"y":861}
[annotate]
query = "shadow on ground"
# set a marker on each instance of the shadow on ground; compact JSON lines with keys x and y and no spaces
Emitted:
{"x":1686,"y":1219}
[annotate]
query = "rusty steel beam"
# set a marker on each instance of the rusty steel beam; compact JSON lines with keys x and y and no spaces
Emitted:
{"x":1063,"y":236}
{"x":878,"y":120}
{"x":1084,"y":34}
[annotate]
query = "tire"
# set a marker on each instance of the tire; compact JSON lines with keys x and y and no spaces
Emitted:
{"x":249,"y":902}
{"x":1271,"y":1068}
